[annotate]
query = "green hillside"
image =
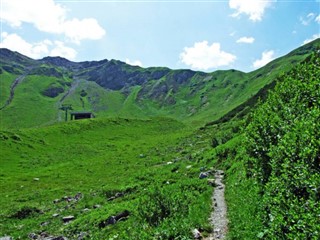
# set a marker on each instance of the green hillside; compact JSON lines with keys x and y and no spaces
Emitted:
{"x":112,"y":88}
{"x":273,"y":165}
{"x":148,"y":163}
{"x":134,"y":171}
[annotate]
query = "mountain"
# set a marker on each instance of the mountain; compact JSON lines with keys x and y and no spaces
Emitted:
{"x":34,"y":90}
{"x":122,"y":178}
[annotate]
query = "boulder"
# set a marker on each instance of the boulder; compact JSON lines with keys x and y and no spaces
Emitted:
{"x":196,"y":234}
{"x":114,"y":219}
{"x":203,"y":175}
{"x":32,"y":236}
{"x":55,"y":238}
{"x":68,"y":218}
{"x":211,"y":182}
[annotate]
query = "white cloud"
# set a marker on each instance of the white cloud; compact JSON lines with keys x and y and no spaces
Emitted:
{"x":245,"y":40}
{"x":254,"y":8}
{"x":314,"y":37}
{"x":306,"y":20}
{"x":134,"y":63}
{"x":87,"y":28}
{"x":232,"y":34}
{"x":203,"y":56}
{"x":36,"y":50}
{"x":50,"y":17}
{"x":16,"y":43}
{"x":61,"y":50}
{"x":267,"y":56}
{"x":318,"y":19}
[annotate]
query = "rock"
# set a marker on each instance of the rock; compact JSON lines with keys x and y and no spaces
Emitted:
{"x":211,"y":182}
{"x":168,"y":163}
{"x":82,"y":235}
{"x":32,"y":236}
{"x":52,"y":91}
{"x":85,"y":210}
{"x":117,"y":195}
{"x":114,"y":219}
{"x":68,"y":218}
{"x":55,"y":238}
{"x":36,"y":179}
{"x":44,"y":224}
{"x":6,"y":238}
{"x":55,"y":215}
{"x":203,"y":175}
{"x":78,"y":196}
{"x":44,"y":235}
{"x":111,"y":198}
{"x":111,"y":220}
{"x":196,"y":234}
{"x":56,"y":201}
{"x":97,"y":206}
{"x":189,"y":166}
{"x":122,"y":216}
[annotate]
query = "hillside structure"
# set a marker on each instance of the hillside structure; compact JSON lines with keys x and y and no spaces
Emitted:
{"x":81,"y":115}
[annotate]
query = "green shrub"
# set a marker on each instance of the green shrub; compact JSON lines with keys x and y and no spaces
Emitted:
{"x":283,"y":148}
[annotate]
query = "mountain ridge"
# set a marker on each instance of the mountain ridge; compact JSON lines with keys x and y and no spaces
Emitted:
{"x":114,"y":88}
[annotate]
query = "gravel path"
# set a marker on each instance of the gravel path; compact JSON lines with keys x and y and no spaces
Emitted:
{"x":219,"y":215}
{"x":13,"y":86}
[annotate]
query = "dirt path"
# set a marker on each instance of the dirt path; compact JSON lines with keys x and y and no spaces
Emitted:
{"x":13,"y":86}
{"x":73,"y":87}
{"x":219,"y":215}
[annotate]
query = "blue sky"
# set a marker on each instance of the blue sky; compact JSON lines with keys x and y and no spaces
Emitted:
{"x":198,"y":35}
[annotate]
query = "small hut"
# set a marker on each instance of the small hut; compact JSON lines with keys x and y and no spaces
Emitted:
{"x":81,"y":115}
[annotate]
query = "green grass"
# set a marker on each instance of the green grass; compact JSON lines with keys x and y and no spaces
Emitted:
{"x":100,"y":158}
{"x":6,"y":80}
{"x":130,"y":155}
{"x":197,"y":100}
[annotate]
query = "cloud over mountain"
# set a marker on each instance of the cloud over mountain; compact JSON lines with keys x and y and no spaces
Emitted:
{"x":202,"y":56}
{"x":37,"y":49}
{"x":267,"y":56}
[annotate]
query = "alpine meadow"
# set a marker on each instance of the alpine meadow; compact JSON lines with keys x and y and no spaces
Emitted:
{"x":144,"y":167}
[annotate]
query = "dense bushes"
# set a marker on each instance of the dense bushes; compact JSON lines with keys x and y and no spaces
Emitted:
{"x":283,"y":147}
{"x":172,"y":211}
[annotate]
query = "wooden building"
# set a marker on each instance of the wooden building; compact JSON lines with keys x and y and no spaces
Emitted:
{"x":81,"y":115}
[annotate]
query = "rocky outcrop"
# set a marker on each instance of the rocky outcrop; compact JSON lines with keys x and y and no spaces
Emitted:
{"x":114,"y":219}
{"x":53,"y":91}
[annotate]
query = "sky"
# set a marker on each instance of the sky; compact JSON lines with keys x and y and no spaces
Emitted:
{"x":203,"y":35}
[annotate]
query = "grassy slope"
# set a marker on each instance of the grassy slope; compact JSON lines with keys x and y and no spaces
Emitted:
{"x":6,"y":80}
{"x":205,"y":98}
{"x":66,"y":154}
{"x":29,"y":107}
{"x":100,"y":158}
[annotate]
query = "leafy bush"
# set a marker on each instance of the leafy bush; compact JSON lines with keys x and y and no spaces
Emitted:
{"x":167,"y":212}
{"x":283,"y":146}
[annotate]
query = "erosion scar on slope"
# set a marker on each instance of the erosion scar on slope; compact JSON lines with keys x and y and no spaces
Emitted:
{"x":13,"y":86}
{"x":219,"y":215}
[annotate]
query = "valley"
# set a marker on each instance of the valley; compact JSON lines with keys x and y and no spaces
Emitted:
{"x":136,"y":170}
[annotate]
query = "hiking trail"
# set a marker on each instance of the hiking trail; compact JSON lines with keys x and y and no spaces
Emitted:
{"x":218,"y":217}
